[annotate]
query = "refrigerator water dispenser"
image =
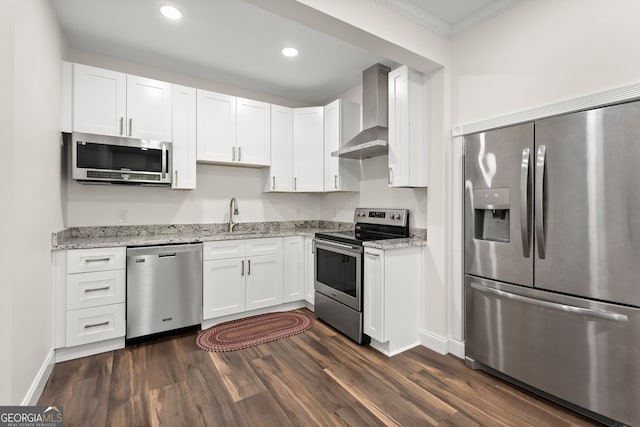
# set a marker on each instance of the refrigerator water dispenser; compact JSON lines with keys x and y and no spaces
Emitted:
{"x":491,"y":214}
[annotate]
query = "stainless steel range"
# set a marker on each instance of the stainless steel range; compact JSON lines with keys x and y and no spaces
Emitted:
{"x":339,"y":267}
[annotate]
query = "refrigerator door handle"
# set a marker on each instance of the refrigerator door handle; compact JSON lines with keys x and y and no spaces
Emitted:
{"x":539,"y":201}
{"x":524,"y":202}
{"x":605,"y":315}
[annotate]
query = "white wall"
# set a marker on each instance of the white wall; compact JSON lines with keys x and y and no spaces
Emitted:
{"x":34,"y":197}
{"x":209,"y":203}
{"x":544,"y":51}
{"x":6,"y":192}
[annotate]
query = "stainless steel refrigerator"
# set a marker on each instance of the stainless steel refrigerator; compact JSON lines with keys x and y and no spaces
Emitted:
{"x":552,"y":257}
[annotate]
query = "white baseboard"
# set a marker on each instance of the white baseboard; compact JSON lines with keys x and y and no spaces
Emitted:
{"x":434,"y":342}
{"x":387,"y":350}
{"x":456,"y":348}
{"x":37,"y":386}
{"x":64,"y":354}
{"x":442,"y":345}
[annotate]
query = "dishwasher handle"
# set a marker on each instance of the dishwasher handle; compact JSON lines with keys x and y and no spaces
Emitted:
{"x":164,"y":251}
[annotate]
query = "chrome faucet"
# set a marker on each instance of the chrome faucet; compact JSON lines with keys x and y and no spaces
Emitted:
{"x":233,"y":210}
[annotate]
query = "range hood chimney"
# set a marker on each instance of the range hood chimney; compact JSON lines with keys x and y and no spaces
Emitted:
{"x":372,"y":140}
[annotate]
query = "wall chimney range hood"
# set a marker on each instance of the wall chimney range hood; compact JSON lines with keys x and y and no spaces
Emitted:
{"x":372,"y":140}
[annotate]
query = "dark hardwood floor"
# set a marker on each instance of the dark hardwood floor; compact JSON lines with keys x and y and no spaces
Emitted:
{"x":315,"y":378}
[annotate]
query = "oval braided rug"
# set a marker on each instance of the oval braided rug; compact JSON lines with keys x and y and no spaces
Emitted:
{"x":254,"y":330}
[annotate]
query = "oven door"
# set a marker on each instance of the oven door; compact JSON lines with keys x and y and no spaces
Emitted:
{"x":338,"y":272}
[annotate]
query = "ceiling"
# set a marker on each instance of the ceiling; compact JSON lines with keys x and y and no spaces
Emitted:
{"x":238,"y":44}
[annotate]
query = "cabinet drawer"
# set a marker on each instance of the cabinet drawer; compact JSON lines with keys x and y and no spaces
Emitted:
{"x":89,"y":325}
{"x":95,"y":289}
{"x":85,"y":260}
{"x":223,"y":249}
{"x":271,"y":246}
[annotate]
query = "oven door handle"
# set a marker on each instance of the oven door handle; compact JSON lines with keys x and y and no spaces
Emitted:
{"x":337,"y":245}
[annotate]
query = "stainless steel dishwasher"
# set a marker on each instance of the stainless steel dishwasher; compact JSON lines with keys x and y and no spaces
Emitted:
{"x":164,"y":288}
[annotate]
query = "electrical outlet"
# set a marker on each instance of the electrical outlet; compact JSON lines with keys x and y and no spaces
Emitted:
{"x":298,"y":212}
{"x":122,"y":216}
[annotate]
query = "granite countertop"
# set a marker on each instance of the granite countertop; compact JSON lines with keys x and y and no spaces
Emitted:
{"x":396,"y":243}
{"x":149,"y":235}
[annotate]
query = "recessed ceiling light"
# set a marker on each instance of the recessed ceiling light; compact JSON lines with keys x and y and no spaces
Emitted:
{"x":290,"y":51}
{"x":171,"y":12}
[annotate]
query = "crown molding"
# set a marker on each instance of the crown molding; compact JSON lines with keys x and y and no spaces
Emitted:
{"x":486,"y":13}
{"x":421,"y":17}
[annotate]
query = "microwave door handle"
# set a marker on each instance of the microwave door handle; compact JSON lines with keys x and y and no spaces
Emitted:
{"x":164,"y":161}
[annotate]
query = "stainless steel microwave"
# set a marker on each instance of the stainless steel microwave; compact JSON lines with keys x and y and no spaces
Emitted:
{"x":117,"y":160}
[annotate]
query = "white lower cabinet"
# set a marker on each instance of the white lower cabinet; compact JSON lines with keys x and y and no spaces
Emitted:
{"x":264,"y":281}
{"x":241,"y":275}
{"x":294,"y":268}
{"x":89,"y":325}
{"x":309,"y":270}
{"x":223,"y":289}
{"x":90,"y":301}
{"x":392,"y":280}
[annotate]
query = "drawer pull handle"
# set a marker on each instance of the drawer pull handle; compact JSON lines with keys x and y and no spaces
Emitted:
{"x":248,"y":267}
{"x":104,"y":288}
{"x":97,"y":259}
{"x":95,"y":325}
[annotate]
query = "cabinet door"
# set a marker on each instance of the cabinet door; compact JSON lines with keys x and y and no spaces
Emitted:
{"x":308,"y":149}
{"x":216,"y":127}
{"x":332,"y":133}
{"x":223,"y":287}
{"x":148,"y":109}
{"x":253,"y":132}
{"x":184,"y":137}
{"x":264,"y":281}
{"x":294,"y":269}
{"x":374,"y":297}
{"x":309,"y":270}
{"x":399,"y":127}
{"x":408,"y":150}
{"x":341,"y":123}
{"x":280,"y":176}
{"x":99,"y":101}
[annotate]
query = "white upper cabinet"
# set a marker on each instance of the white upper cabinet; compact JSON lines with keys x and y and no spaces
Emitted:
{"x":99,"y":101}
{"x":184,"y":138}
{"x":308,"y":149}
{"x":341,"y":123}
{"x":216,"y":126}
{"x":407,"y":128}
{"x":280,"y":174}
{"x":106,"y":102}
{"x":253,"y":132}
{"x":148,"y":108}
{"x":233,"y":130}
